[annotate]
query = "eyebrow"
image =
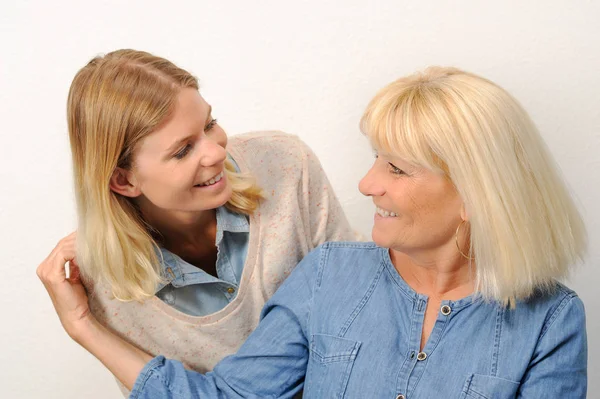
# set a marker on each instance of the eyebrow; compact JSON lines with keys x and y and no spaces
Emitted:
{"x":176,"y":144}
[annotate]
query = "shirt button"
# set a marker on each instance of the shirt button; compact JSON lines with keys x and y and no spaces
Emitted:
{"x":446,"y":310}
{"x":231,"y":290}
{"x":421,"y":356}
{"x":400,"y":397}
{"x":170,"y":271}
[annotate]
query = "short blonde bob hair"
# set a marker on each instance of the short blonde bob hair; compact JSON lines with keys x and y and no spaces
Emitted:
{"x":526,"y":231}
{"x":114,"y":102}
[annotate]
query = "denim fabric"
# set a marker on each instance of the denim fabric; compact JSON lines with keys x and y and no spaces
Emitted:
{"x":346,"y":325}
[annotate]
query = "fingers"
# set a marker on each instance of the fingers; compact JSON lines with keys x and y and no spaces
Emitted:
{"x":52,"y":269}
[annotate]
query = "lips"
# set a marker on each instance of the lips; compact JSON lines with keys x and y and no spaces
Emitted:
{"x":211,"y":181}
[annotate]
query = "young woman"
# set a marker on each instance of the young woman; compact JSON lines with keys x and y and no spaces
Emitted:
{"x":183,"y":235}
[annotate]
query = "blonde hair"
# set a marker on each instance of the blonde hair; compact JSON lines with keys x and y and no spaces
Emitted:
{"x":114,"y":102}
{"x":525,"y":229}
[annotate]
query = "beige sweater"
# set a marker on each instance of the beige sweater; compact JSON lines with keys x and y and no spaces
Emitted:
{"x":299,"y":213}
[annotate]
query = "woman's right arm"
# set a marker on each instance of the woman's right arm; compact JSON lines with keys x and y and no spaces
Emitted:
{"x":70,"y":300}
{"x":272,"y":362}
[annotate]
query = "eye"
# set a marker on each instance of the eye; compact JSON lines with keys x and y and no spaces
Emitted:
{"x":183,"y":152}
{"x":210,"y":125}
{"x":395,"y":170}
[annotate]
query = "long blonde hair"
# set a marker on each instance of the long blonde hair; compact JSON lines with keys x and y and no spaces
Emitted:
{"x":114,"y":102}
{"x":525,"y":229}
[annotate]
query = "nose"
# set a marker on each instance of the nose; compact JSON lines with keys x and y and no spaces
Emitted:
{"x":211,"y":151}
{"x":370,"y":185}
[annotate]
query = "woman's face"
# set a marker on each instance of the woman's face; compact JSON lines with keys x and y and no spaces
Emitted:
{"x":180,"y":166}
{"x":418,"y":210}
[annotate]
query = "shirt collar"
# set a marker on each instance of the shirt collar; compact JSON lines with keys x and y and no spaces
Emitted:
{"x":173,"y":268}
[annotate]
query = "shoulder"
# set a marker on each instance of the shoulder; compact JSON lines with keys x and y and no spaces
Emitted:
{"x":271,"y":143}
{"x":550,"y":306}
{"x":347,"y":262}
{"x":562,"y":302}
{"x":273,"y":158}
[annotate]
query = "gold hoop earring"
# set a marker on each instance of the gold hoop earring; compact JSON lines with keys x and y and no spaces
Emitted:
{"x":457,"y":245}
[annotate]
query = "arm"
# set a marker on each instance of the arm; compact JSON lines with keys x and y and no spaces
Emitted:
{"x":70,"y":300}
{"x":559,"y":365}
{"x":271,"y":363}
{"x":326,"y":218}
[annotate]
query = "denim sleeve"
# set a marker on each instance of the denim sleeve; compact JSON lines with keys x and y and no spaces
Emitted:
{"x":270,"y":364}
{"x":559,"y":364}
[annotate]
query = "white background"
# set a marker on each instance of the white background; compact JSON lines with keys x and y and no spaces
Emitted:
{"x":305,"y":67}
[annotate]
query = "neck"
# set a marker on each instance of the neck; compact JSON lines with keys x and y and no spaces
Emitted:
{"x":183,"y":229}
{"x":440,"y":277}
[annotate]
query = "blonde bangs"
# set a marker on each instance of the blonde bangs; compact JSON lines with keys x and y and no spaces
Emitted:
{"x":398,"y":122}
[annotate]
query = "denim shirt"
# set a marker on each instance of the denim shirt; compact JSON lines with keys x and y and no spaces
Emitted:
{"x":193,"y":291}
{"x":346,"y":325}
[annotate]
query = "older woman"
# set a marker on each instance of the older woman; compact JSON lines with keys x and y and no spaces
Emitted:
{"x":457,"y":297}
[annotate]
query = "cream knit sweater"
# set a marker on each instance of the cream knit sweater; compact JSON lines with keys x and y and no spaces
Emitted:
{"x":300,"y":211}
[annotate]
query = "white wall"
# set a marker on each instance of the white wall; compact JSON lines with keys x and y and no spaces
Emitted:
{"x":306,"y":67}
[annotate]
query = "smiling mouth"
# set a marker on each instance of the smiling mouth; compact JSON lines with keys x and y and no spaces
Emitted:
{"x":212,"y":181}
{"x":386,"y":214}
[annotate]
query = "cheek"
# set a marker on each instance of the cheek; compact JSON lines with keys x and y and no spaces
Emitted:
{"x":166,"y":182}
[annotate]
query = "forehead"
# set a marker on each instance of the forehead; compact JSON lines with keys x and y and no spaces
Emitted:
{"x":188,"y":116}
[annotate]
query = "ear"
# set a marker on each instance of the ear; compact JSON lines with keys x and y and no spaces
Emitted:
{"x":123,"y":182}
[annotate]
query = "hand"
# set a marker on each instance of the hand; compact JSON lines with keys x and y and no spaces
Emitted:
{"x":68,"y":294}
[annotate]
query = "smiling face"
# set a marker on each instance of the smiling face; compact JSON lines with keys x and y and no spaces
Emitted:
{"x":418,"y":210}
{"x":180,"y":166}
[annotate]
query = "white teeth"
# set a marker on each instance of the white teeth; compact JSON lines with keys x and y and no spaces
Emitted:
{"x":213,"y":180}
{"x":384,"y":213}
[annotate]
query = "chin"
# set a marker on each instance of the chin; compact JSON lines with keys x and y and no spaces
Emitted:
{"x":380,"y":239}
{"x":215,"y":201}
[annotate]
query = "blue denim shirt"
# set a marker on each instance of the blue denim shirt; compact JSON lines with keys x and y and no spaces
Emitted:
{"x":346,"y":325}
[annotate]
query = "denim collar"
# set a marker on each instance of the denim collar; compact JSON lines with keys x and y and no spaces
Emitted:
{"x":178,"y":272}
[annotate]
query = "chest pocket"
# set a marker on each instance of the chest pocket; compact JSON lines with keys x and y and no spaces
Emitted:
{"x":487,"y":387}
{"x":329,"y":366}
